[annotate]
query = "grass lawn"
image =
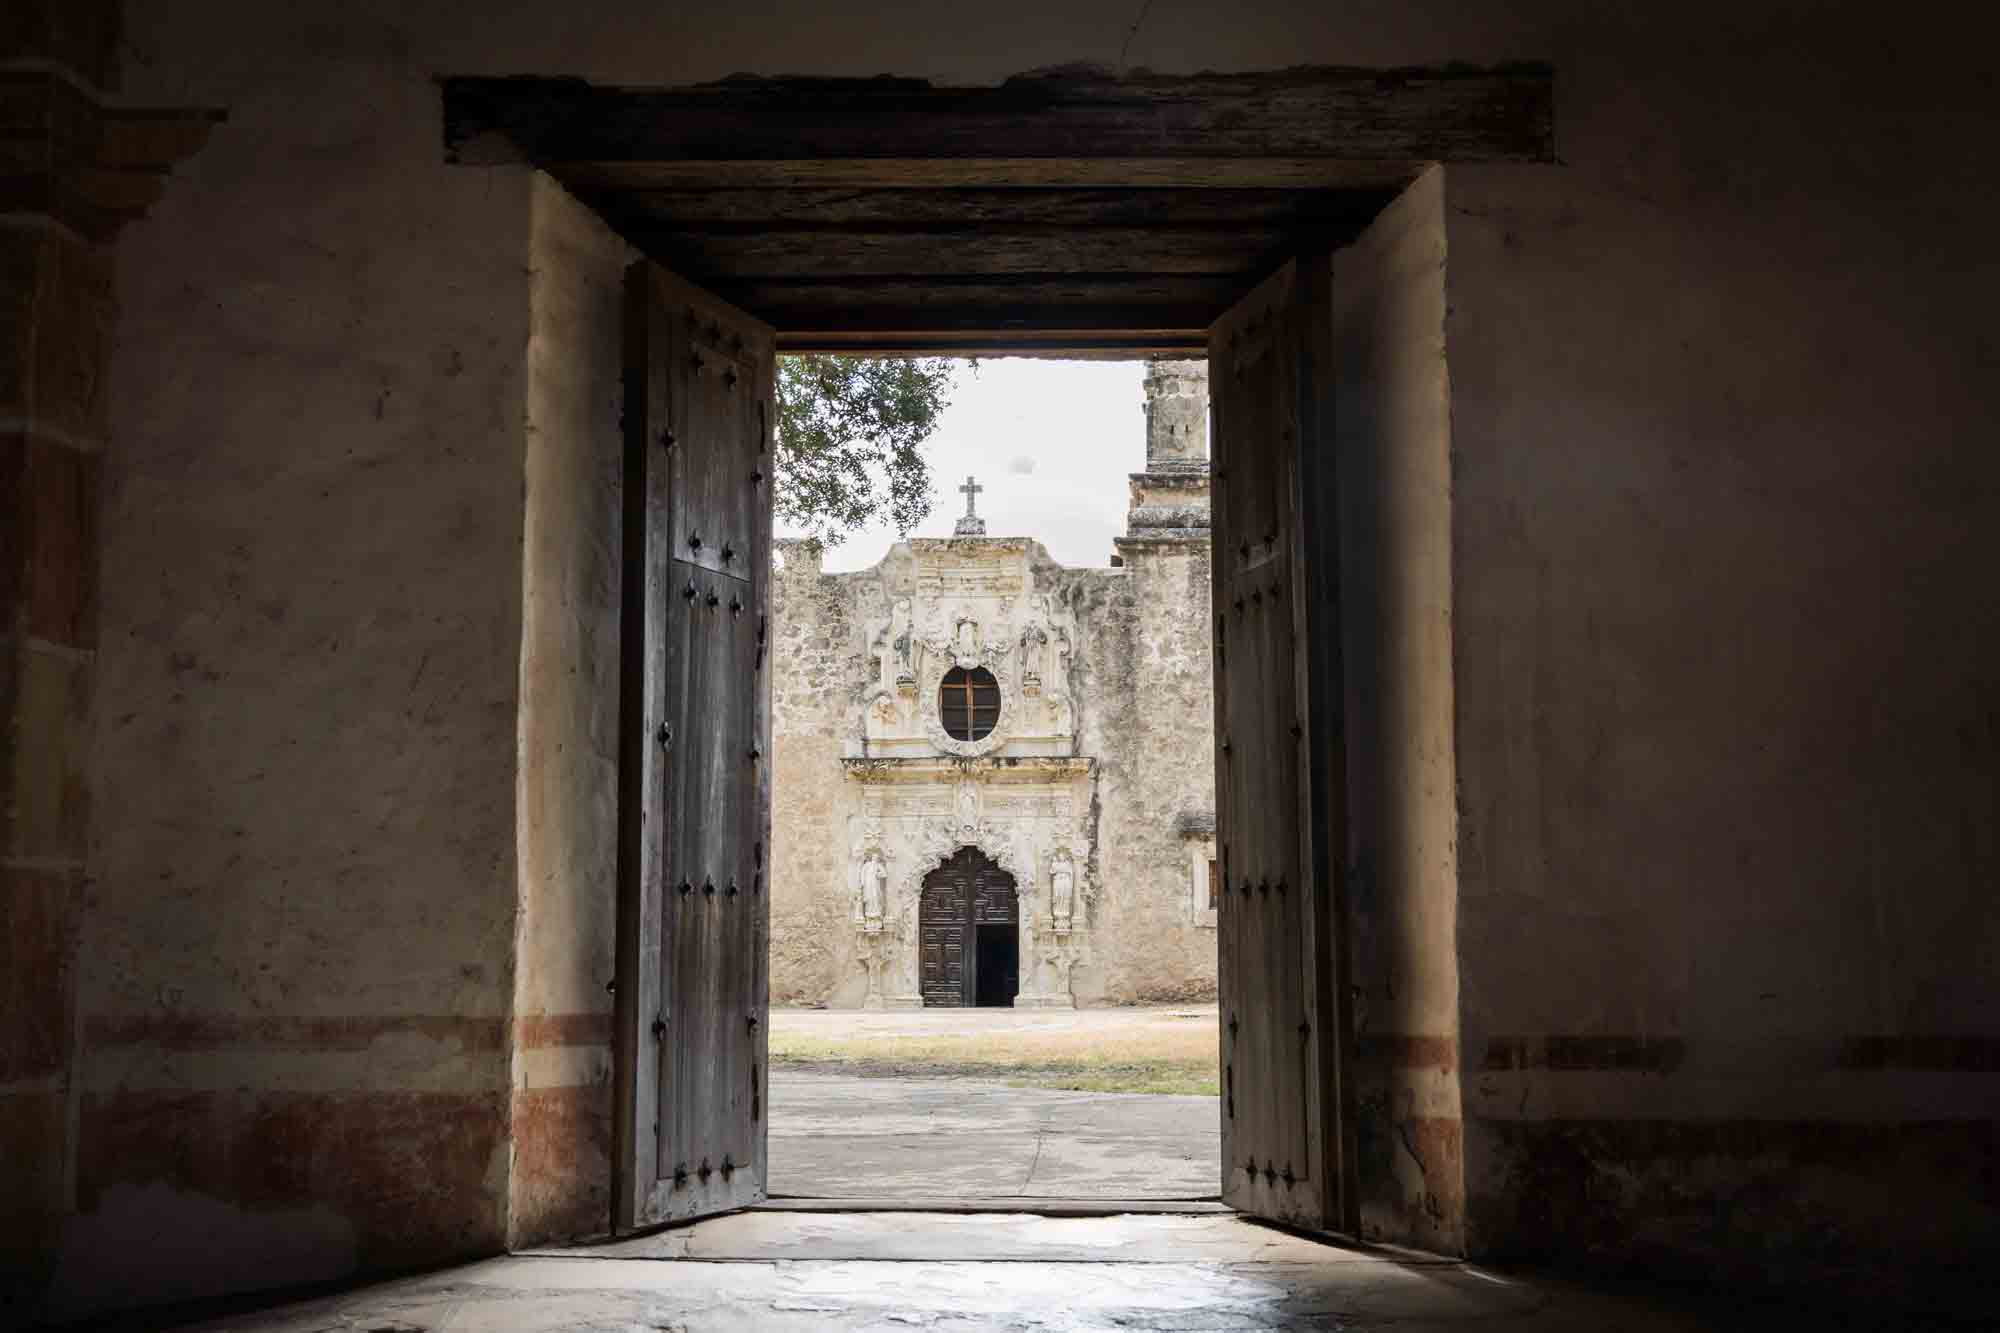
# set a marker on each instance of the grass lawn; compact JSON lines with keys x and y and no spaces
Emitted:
{"x":1176,"y":1054}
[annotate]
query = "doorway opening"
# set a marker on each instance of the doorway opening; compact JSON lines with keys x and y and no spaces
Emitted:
{"x":999,"y":970}
{"x":993,"y":799}
{"x":1076,"y":214}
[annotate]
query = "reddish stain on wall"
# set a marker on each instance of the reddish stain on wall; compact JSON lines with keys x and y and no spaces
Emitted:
{"x":562,"y":1163}
{"x":410,"y":1171}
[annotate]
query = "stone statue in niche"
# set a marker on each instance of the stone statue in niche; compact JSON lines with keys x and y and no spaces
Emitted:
{"x":965,"y":641}
{"x":968,"y":807}
{"x":902,"y":645}
{"x":1062,"y":890}
{"x":881,"y":653}
{"x":1034,"y":649}
{"x":868,"y":881}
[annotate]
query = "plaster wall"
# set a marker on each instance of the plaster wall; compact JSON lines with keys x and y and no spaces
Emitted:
{"x":1723,"y":642}
{"x":1393,"y":428}
{"x":567,"y":798}
{"x":1724,"y":650}
{"x":296,"y":965}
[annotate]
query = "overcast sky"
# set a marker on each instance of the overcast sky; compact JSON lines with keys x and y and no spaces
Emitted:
{"x":1052,"y":443}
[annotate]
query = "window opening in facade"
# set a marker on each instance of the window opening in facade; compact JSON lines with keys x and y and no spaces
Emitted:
{"x":970,"y":703}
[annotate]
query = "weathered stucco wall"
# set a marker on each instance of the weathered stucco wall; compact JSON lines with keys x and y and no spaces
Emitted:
{"x":1725,"y":651}
{"x":1723,"y":646}
{"x":1393,"y":425}
{"x":566,"y":927}
{"x":296,"y":969}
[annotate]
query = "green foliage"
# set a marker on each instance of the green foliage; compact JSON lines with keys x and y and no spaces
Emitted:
{"x":850,"y":438}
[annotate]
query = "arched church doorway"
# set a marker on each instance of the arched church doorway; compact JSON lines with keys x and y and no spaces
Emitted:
{"x":969,"y":933}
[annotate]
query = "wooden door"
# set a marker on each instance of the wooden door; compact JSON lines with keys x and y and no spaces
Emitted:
{"x":966,"y":892}
{"x":1280,"y":766}
{"x":695,"y":794}
{"x":944,"y":934}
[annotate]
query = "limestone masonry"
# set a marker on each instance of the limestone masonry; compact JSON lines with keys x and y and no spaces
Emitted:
{"x":1079,"y":829}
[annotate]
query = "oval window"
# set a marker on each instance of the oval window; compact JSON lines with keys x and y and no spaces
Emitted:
{"x":969,"y":703}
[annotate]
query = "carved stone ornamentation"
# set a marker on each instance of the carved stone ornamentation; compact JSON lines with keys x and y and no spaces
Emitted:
{"x":937,"y":663}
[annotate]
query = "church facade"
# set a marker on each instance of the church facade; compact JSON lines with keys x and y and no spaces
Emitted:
{"x":994,"y":774}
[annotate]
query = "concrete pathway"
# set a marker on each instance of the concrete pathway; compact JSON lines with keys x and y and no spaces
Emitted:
{"x":840,"y":1136}
{"x":1108,"y":1025}
{"x":952,"y":1274}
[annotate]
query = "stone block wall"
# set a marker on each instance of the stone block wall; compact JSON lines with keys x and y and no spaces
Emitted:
{"x":1160,"y":775}
{"x":816,"y":675}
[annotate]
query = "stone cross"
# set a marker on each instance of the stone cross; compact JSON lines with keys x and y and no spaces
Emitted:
{"x":970,"y":524}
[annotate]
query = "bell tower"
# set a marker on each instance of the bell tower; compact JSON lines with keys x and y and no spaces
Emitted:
{"x":1170,"y":498}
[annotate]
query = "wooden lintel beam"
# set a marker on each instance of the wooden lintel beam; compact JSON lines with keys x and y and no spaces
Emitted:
{"x":1011,"y":173}
{"x":1092,"y":345}
{"x":1306,"y":115}
{"x":1065,"y":207}
{"x":996,"y":252}
{"x":1172,"y":302}
{"x":1025,"y":319}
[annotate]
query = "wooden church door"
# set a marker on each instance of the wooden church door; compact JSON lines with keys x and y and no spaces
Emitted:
{"x":695,"y":793}
{"x":1280,"y":762}
{"x":968,"y":905}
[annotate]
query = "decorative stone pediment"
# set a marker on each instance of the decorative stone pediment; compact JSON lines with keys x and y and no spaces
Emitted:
{"x":970,"y":604}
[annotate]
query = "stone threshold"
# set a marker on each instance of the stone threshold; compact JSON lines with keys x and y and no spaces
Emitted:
{"x":1006,"y":1203}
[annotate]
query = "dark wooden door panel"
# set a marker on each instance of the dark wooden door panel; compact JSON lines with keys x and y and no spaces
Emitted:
{"x":942,"y":915}
{"x":960,"y":897}
{"x":1280,"y":811}
{"x":694,"y":787}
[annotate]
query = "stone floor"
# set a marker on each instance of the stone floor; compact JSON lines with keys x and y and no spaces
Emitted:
{"x":952,"y":1273}
{"x":840,"y":1136}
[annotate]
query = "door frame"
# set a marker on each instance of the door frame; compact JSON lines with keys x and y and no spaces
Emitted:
{"x":614,"y":147}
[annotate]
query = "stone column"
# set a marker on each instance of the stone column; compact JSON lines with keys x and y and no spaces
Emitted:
{"x":77,"y":167}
